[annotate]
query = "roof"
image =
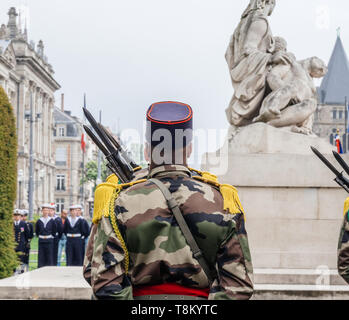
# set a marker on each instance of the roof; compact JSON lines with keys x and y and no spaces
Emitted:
{"x":4,"y":44}
{"x":335,"y":85}
{"x":72,"y":123}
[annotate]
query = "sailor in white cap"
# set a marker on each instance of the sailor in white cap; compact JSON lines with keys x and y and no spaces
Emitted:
{"x":30,"y":236}
{"x":84,"y":238}
{"x":59,"y":231}
{"x":21,"y":237}
{"x":45,"y":229}
{"x":74,"y":229}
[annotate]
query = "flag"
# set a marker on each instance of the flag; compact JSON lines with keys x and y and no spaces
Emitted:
{"x":83,"y":143}
{"x":338,"y":144}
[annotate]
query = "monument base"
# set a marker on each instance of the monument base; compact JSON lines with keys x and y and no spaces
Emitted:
{"x":293,"y":207}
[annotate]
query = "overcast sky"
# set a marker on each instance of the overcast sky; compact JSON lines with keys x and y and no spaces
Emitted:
{"x":126,"y":54}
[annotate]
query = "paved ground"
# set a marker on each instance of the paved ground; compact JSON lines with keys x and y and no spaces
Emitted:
{"x":56,"y":283}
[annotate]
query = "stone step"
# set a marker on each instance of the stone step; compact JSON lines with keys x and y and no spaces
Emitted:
{"x":58,"y":283}
{"x":320,"y":276}
{"x":300,"y":292}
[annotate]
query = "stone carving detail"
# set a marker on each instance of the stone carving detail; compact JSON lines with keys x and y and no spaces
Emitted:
{"x":270,"y":85}
{"x":3,"y":32}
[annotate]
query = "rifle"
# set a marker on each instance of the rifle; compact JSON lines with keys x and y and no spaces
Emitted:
{"x":122,"y":166}
{"x":340,"y":179}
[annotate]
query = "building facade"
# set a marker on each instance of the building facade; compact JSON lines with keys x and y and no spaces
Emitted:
{"x":29,"y":81}
{"x":70,"y":161}
{"x":333,"y":98}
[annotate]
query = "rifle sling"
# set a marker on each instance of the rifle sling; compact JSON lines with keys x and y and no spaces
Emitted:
{"x":174,"y":207}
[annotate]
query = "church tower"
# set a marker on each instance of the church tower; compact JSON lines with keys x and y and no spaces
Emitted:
{"x":333,"y":96}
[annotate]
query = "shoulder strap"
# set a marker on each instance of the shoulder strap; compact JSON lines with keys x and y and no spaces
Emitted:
{"x":174,"y":207}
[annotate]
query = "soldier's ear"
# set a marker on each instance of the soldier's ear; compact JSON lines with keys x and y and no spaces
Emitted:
{"x":189,"y":150}
{"x":147,"y":151}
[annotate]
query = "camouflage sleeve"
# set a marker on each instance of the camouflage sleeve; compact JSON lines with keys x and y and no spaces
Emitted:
{"x":108,"y":278}
{"x":234,"y":266}
{"x":88,"y":255}
{"x":343,"y":250}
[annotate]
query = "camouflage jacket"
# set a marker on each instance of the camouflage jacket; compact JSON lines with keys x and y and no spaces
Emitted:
{"x":158,"y":252}
{"x":343,"y":249}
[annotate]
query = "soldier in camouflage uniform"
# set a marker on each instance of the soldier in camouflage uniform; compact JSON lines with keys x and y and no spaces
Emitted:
{"x":343,"y":245}
{"x":137,"y":249}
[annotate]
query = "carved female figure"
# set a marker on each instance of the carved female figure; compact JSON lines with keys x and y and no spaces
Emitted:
{"x":248,"y":56}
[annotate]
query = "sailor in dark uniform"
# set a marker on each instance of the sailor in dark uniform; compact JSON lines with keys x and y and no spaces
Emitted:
{"x":58,"y":235}
{"x":84,"y":237}
{"x":30,"y":237}
{"x":74,"y":229}
{"x":45,"y":229}
{"x":21,"y":238}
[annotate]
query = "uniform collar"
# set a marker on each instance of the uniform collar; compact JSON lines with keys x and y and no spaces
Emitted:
{"x":172,"y":169}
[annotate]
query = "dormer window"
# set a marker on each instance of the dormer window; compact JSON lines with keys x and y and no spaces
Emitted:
{"x":61,"y":132}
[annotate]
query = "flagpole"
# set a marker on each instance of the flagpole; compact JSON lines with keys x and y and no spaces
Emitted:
{"x":99,"y":173}
{"x":346,"y":125}
{"x":83,"y":165}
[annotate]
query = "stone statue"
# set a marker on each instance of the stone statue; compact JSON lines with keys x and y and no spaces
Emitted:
{"x":248,"y":56}
{"x":3,"y":32}
{"x":293,"y":99}
{"x":270,"y":85}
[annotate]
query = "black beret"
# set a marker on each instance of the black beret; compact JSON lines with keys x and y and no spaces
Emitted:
{"x":176,"y":117}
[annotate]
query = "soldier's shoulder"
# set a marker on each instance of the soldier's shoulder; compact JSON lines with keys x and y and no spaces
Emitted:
{"x":231,"y":200}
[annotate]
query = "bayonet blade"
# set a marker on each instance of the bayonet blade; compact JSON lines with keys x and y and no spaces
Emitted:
{"x":326,"y":162}
{"x":341,"y":162}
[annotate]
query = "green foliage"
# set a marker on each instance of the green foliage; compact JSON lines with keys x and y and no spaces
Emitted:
{"x":90,"y":174}
{"x":8,"y":183}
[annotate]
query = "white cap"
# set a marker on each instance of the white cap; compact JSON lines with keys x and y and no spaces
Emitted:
{"x":76,"y":206}
{"x":25,"y":212}
{"x":17,"y":211}
{"x":47,"y":205}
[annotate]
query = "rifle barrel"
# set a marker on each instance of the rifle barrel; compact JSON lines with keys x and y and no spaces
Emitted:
{"x":341,"y":162}
{"x":326,"y":162}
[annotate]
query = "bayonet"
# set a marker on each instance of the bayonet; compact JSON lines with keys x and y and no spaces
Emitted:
{"x":340,"y":179}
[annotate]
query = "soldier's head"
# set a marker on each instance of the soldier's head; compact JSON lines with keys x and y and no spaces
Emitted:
{"x":46,"y":209}
{"x":75,"y":211}
{"x":17,"y":215}
{"x":24,"y":215}
{"x":52,"y":210}
{"x":169,"y":133}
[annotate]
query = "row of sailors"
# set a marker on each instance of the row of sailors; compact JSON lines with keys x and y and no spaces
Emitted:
{"x":51,"y":228}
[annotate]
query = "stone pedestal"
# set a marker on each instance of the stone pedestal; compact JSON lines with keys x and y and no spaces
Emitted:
{"x":293,"y":207}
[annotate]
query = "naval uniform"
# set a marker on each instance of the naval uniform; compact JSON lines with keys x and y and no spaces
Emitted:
{"x":21,"y":237}
{"x":30,"y":237}
{"x":84,"y":237}
{"x":57,"y":237}
{"x":74,"y":229}
{"x":45,"y":229}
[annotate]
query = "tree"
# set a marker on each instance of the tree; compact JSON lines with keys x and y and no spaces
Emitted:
{"x":91,"y":172}
{"x":8,"y":183}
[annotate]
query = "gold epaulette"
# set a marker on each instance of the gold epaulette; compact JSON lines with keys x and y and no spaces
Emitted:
{"x":232,"y":203}
{"x":105,"y":196}
{"x":346,"y":206}
{"x":104,"y":193}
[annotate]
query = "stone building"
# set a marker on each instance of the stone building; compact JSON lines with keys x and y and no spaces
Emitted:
{"x":29,"y":81}
{"x":333,"y":96}
{"x":69,"y":161}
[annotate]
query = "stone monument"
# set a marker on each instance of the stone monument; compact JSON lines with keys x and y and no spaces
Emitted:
{"x":293,"y":207}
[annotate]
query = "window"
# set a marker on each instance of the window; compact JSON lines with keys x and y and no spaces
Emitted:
{"x":61,"y":132}
{"x":59,"y":205}
{"x":60,"y":182}
{"x":340,"y":114}
{"x":61,"y":156}
{"x":334,"y":114}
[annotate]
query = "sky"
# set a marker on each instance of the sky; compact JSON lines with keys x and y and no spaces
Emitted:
{"x":127,"y":54}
